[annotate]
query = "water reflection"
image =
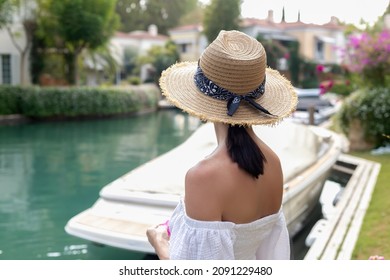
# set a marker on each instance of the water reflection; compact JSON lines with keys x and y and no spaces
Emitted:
{"x":51,"y":171}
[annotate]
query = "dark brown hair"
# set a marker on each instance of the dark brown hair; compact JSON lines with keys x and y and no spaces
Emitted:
{"x":244,"y":151}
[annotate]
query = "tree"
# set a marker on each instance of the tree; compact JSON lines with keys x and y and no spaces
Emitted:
{"x":161,"y":58}
{"x":130,"y":60}
{"x":284,"y":16}
{"x":131,"y":15}
{"x":104,"y":61}
{"x":195,"y":16}
{"x":221,"y":15}
{"x":379,"y":25}
{"x":75,"y":25}
{"x":140,"y":14}
{"x":4,"y":12}
{"x":167,"y":13}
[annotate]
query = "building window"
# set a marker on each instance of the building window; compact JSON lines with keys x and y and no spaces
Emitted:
{"x":320,"y":56}
{"x":6,"y":69}
{"x":183,"y":48}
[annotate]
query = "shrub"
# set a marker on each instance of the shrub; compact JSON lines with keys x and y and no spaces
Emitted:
{"x":372,"y":108}
{"x":134,"y":80}
{"x":10,"y":100}
{"x":343,"y":88}
{"x":76,"y":101}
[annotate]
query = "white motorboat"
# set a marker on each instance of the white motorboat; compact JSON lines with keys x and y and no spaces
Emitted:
{"x":147,"y":195}
{"x":314,"y":107}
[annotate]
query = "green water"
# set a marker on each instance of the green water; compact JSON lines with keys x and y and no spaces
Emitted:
{"x":51,"y":171}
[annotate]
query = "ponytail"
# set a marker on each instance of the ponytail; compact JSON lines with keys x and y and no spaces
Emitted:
{"x":244,"y":151}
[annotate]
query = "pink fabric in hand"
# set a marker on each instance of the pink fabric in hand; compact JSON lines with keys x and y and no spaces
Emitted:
{"x":166,"y":224}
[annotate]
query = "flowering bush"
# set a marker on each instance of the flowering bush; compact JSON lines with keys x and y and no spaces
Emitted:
{"x":369,"y":56}
{"x":372,"y":108}
{"x":364,"y":115}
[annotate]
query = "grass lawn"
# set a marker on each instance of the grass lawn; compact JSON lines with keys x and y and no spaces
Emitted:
{"x":374,"y":237}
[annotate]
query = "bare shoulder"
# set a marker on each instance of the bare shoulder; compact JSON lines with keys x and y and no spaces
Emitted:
{"x":201,"y":192}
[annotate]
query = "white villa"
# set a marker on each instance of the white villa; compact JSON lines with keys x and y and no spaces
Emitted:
{"x":317,"y":42}
{"x":11,"y":48}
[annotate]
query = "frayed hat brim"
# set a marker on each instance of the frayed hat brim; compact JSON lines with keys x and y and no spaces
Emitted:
{"x":178,"y":86}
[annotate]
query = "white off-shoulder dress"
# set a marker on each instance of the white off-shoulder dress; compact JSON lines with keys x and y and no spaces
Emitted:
{"x":266,"y":238}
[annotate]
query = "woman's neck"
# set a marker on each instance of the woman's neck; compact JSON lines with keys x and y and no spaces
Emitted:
{"x":221,"y":132}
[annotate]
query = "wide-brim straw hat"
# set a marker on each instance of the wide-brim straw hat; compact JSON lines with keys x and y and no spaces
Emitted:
{"x":234,"y":63}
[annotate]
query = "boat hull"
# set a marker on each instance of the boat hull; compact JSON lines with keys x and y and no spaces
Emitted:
{"x":121,"y":215}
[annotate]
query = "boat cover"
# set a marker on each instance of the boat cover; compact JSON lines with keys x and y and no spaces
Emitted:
{"x":296,"y":145}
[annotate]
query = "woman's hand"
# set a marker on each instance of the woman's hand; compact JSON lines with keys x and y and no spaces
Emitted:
{"x":158,"y":237}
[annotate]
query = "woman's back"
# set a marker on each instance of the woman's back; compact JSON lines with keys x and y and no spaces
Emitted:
{"x":217,"y":189}
{"x":231,"y":195}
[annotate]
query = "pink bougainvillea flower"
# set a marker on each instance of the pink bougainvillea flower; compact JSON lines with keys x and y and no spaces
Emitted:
{"x":369,"y":55}
{"x":376,"y":257}
{"x":320,"y":68}
{"x":325,"y":86}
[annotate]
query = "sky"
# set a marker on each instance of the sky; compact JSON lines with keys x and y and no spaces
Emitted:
{"x":316,"y":11}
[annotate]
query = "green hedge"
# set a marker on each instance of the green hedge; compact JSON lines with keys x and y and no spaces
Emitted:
{"x":372,"y":108}
{"x":47,"y":102}
{"x":10,"y":100}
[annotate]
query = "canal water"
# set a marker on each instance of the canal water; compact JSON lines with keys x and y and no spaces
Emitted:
{"x":51,"y":171}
